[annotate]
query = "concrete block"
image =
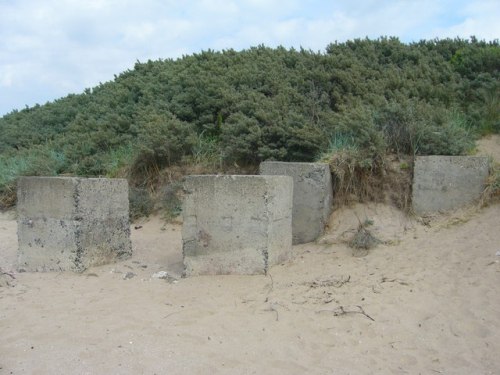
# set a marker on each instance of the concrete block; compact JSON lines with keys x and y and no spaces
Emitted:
{"x":70,"y":223}
{"x":236,"y":224}
{"x":312,"y":196}
{"x":442,"y":183}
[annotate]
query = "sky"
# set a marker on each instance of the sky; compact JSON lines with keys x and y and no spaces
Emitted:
{"x":51,"y":48}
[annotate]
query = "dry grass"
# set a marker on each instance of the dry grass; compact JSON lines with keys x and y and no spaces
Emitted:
{"x":388,"y":180}
{"x":491,"y":192}
{"x":8,"y":196}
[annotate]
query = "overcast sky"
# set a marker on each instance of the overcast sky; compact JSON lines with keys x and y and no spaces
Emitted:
{"x":50,"y":48}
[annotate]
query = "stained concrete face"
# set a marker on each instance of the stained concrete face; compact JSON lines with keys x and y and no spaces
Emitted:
{"x":442,"y":183}
{"x":69,"y":223}
{"x":236,"y":224}
{"x":312,"y":196}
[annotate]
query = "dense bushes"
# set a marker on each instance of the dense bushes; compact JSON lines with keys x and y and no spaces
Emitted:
{"x":162,"y":140}
{"x":239,"y":108}
{"x":418,"y":128}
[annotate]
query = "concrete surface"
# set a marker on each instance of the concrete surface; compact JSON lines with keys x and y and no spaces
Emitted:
{"x":236,"y":224}
{"x":312,"y":196}
{"x":442,"y":183}
{"x":70,"y":224}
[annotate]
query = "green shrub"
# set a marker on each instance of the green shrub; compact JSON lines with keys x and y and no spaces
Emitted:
{"x":354,"y":129}
{"x":451,"y":138}
{"x":418,"y":128}
{"x":162,"y":140}
{"x":243,"y":138}
{"x":36,"y":161}
{"x":221,"y":109}
{"x":117,"y":161}
{"x":486,"y":112}
{"x":271,"y":136}
{"x":207,"y":151}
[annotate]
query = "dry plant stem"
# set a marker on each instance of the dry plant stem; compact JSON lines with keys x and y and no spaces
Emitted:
{"x":341,"y":310}
{"x":272,"y":282}
{"x":172,"y":313}
{"x":272,"y":308}
{"x":336,"y":283}
{"x":7,"y":273}
{"x":387,"y":280}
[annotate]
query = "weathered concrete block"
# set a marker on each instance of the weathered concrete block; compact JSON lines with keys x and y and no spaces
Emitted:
{"x":69,"y":223}
{"x":236,"y":224}
{"x":312,"y":196}
{"x":442,"y":183}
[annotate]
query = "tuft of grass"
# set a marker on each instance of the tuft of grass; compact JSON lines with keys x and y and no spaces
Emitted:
{"x":491,"y":192}
{"x":118,"y":160}
{"x":207,"y":152}
{"x":341,"y":142}
{"x":356,"y":177}
{"x":363,"y":240}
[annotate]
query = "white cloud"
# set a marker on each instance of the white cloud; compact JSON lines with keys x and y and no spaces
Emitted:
{"x":486,"y":28}
{"x":478,"y":18}
{"x":325,"y":31}
{"x":285,"y":29}
{"x":6,"y":75}
{"x":54,"y":47}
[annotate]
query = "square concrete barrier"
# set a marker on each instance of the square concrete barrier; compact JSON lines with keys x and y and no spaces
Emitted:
{"x":236,"y":224}
{"x":70,"y":223}
{"x":312,"y":196}
{"x":442,"y":183}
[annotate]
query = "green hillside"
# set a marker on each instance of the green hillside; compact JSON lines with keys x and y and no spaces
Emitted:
{"x":219,"y":109}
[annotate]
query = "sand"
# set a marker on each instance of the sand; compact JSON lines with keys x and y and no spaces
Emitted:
{"x":426,"y":300}
{"x":490,"y":146}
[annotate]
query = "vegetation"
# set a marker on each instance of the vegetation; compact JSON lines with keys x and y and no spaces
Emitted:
{"x":351,"y":105}
{"x":492,"y":191}
{"x":363,"y":240}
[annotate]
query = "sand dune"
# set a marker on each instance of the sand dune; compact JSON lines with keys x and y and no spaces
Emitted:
{"x":424,"y":301}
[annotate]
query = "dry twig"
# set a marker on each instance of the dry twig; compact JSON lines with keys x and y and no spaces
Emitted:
{"x":272,"y":282}
{"x":272,"y":308}
{"x":387,"y":280}
{"x":7,"y":273}
{"x":341,"y":310}
{"x":337,"y":283}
